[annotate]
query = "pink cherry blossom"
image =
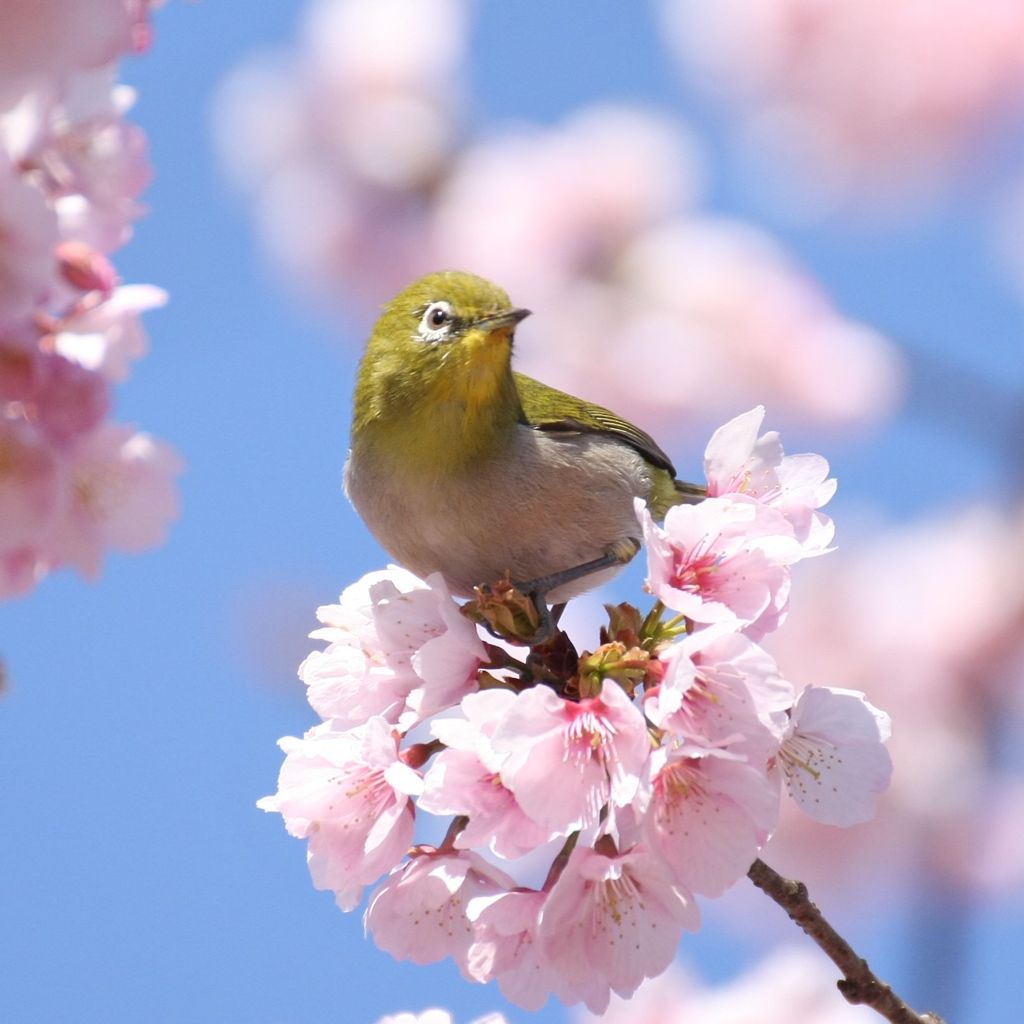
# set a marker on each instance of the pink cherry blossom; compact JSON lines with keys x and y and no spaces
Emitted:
{"x":722,"y":560}
{"x":744,"y":323}
{"x":881,"y":616}
{"x":737,"y":461}
{"x":121,"y":495}
{"x":466,"y":779}
{"x":108,"y":336}
{"x":419,"y":912}
{"x":360,"y":130}
{"x":69,"y":400}
{"x":52,"y":37}
{"x":565,"y":760}
{"x":833,"y":757}
{"x":506,"y":947}
{"x":540,"y":209}
{"x":612,"y":920}
{"x":30,"y":485}
{"x":709,"y":814}
{"x":28,"y":227}
{"x":74,"y":143}
{"x":719,"y":688}
{"x":71,"y":169}
{"x":348,"y":793}
{"x":397,"y":646}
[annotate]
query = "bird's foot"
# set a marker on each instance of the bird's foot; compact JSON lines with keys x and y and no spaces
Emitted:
{"x":621,"y":552}
{"x":513,"y":613}
{"x":519,"y":612}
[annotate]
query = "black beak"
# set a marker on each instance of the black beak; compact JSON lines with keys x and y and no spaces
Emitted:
{"x":507,"y":319}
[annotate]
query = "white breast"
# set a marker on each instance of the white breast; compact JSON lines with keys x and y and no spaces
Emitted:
{"x":555,"y":502}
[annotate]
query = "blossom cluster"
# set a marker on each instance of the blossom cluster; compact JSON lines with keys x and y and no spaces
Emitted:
{"x":635,"y":776}
{"x":72,"y":482}
{"x":365,"y":172}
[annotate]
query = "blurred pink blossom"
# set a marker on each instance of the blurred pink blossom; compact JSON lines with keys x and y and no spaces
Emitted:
{"x":940,"y":74}
{"x":108,"y":336}
{"x":47,"y":38}
{"x":122,"y":496}
{"x":541,"y":210}
{"x":28,"y":232}
{"x":928,"y":620}
{"x":790,"y":985}
{"x":343,"y":147}
{"x":71,"y":170}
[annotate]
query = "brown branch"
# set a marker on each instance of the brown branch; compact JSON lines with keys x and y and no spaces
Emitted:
{"x":859,"y":983}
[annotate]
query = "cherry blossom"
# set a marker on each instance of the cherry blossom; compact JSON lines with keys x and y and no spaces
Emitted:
{"x":833,"y":757}
{"x":465,"y":778}
{"x":718,"y":687}
{"x":121,"y":496}
{"x":349,"y":794}
{"x":879,"y":610}
{"x":612,"y":920}
{"x":710,"y":814}
{"x":397,"y":646}
{"x":737,"y":461}
{"x":71,"y":170}
{"x":506,"y":948}
{"x":722,"y":560}
{"x":52,"y":37}
{"x":107,"y":337}
{"x":419,"y":912}
{"x":599,"y":744}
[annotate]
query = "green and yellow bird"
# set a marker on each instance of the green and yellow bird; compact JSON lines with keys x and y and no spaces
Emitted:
{"x":460,"y":465}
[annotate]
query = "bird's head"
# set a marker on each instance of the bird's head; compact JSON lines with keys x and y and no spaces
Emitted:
{"x":446,"y":339}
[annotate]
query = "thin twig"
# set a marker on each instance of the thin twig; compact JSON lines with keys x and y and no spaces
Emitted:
{"x":859,"y":983}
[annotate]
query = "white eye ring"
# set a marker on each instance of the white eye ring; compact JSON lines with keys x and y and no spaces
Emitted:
{"x":436,"y":322}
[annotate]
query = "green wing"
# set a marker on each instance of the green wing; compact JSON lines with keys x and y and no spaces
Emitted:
{"x":556,"y":412}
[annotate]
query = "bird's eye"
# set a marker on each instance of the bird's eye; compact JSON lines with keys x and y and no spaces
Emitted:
{"x":436,"y":321}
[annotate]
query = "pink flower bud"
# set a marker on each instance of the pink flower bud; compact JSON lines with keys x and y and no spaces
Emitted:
{"x":85,"y":268}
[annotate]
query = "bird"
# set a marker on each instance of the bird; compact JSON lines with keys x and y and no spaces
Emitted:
{"x":461,"y":465}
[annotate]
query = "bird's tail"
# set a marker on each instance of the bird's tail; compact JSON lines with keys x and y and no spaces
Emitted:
{"x":690,"y":494}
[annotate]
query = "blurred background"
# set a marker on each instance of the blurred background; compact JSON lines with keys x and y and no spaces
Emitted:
{"x":819,"y":208}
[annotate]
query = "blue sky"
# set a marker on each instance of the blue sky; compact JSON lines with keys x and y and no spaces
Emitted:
{"x":137,"y":879}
